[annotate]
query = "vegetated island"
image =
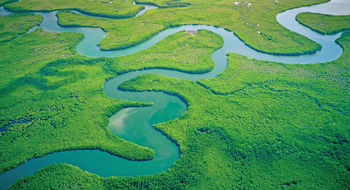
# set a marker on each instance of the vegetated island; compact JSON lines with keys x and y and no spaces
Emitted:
{"x":257,"y":125}
{"x":324,"y":24}
{"x":254,"y":22}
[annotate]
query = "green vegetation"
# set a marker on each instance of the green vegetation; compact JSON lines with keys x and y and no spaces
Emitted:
{"x":254,"y":23}
{"x":68,"y":177}
{"x":265,"y":127}
{"x":47,"y":96}
{"x":181,"y":51}
{"x":47,"y":99}
{"x":246,"y":73}
{"x":106,"y":8}
{"x":258,"y":125}
{"x":2,"y":2}
{"x":165,"y":3}
{"x":283,"y":126}
{"x":324,"y":24}
{"x":12,"y":26}
{"x":266,"y":124}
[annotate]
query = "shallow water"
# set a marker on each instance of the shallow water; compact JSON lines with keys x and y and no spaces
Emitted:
{"x":135,"y":124}
{"x":147,"y":7}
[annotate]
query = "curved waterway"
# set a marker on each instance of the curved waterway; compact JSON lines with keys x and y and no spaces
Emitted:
{"x":136,"y":124}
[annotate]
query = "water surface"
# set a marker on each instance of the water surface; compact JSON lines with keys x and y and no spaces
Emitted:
{"x":136,"y":124}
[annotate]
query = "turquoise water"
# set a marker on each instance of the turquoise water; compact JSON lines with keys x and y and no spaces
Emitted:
{"x":136,"y":124}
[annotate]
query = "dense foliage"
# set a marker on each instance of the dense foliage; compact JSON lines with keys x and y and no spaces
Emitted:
{"x":287,"y":130}
{"x":45,"y":102}
{"x":182,"y":51}
{"x":12,"y":26}
{"x":258,"y":125}
{"x":106,"y":8}
{"x":165,"y":3}
{"x":2,"y":2}
{"x":325,"y":24}
{"x":48,"y":96}
{"x":253,"y":22}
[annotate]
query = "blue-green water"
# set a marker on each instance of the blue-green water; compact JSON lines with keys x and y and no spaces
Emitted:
{"x":136,"y":124}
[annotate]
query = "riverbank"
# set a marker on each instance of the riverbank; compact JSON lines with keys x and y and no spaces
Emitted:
{"x":241,"y":132}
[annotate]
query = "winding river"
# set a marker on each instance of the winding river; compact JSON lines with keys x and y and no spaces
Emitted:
{"x":136,"y":124}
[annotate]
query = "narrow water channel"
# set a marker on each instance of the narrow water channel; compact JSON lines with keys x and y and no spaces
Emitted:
{"x":136,"y":124}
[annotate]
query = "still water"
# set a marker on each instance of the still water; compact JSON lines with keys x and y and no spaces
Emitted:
{"x":136,"y":124}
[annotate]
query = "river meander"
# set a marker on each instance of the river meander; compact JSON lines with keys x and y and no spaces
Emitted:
{"x":136,"y":124}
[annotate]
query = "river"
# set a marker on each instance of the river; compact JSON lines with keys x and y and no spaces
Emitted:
{"x":136,"y":124}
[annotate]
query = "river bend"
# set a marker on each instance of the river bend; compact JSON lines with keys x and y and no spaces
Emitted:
{"x":136,"y":124}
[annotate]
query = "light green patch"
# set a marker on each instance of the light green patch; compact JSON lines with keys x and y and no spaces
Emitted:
{"x":107,"y":8}
{"x":11,"y":26}
{"x":324,"y":24}
{"x":166,"y":3}
{"x":181,"y":51}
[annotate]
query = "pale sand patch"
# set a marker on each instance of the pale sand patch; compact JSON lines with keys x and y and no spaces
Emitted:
{"x":117,"y":121}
